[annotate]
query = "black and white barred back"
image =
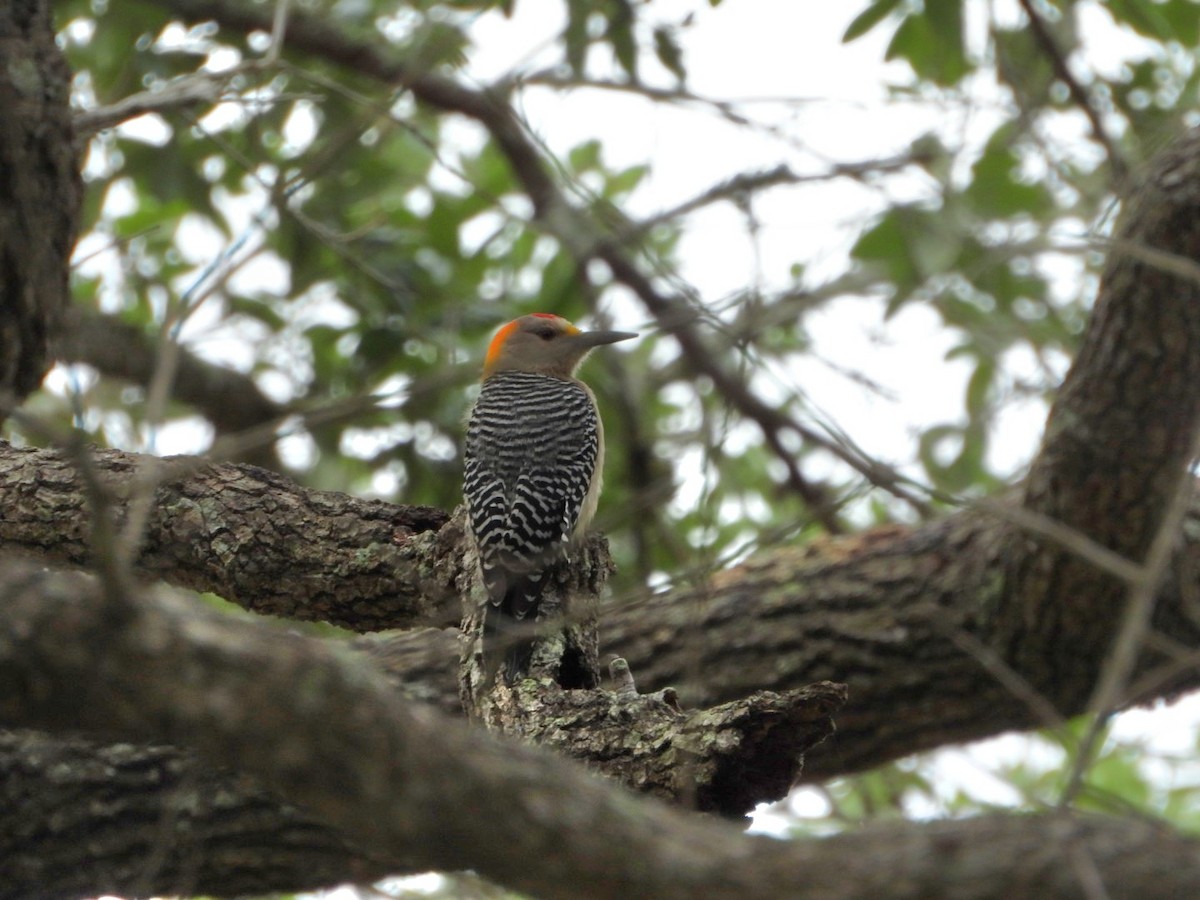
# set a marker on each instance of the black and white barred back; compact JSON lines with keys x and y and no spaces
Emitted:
{"x":531,"y":453}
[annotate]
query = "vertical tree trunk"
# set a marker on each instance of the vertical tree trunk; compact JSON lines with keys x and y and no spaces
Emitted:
{"x":39,"y":194}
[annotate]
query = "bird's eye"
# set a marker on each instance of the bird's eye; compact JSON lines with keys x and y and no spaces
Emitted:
{"x":545,"y":333}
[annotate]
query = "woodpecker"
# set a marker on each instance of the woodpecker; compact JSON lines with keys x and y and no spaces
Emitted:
{"x":533,"y":463}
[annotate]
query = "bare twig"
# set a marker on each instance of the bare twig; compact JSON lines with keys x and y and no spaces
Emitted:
{"x":1181,"y":659}
{"x":1012,"y":680}
{"x":751,"y":182}
{"x":1173,"y":263}
{"x":1091,"y":882}
{"x":561,"y":219}
{"x":194,"y":90}
{"x":278,"y":29}
{"x":1066,"y":537}
{"x":1058,"y":59}
{"x":1143,"y":590}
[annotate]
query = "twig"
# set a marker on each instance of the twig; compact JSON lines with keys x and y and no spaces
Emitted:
{"x":751,"y":182}
{"x":675,"y":319}
{"x":1058,"y":59}
{"x":1066,"y":537}
{"x":1009,"y":678}
{"x":1180,"y":266}
{"x":181,"y":93}
{"x":278,"y":29}
{"x":1143,"y":591}
{"x":1091,"y":882}
{"x":562,"y":220}
{"x":1181,"y":659}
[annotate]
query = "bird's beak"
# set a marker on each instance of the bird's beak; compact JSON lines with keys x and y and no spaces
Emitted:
{"x":596,"y":338}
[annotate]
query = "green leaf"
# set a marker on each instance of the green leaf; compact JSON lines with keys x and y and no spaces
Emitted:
{"x":575,"y":36}
{"x":584,"y":157}
{"x":997,"y":190}
{"x":620,"y":34}
{"x":1183,"y":19}
{"x":886,"y":244}
{"x":910,"y":245}
{"x":1022,"y":64}
{"x":932,"y":42}
{"x":979,"y":388}
{"x":623,"y":182}
{"x":442,"y":225}
{"x":1145,"y":18}
{"x":667,"y":50}
{"x":868,"y":19}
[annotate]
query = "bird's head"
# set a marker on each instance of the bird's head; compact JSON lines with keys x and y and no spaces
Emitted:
{"x":544,"y":343}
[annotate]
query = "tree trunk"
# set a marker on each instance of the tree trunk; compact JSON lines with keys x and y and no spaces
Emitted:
{"x":39,"y":195}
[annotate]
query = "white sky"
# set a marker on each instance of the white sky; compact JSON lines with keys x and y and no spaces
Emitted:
{"x":831,"y":105}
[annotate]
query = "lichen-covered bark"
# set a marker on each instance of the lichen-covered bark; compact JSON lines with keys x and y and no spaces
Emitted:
{"x":930,"y":627}
{"x":883,"y":612}
{"x":248,"y":534}
{"x":39,"y":195}
{"x":81,"y":819}
{"x":565,"y":649}
{"x":725,"y":759}
{"x":401,"y":783}
{"x":895,"y":614}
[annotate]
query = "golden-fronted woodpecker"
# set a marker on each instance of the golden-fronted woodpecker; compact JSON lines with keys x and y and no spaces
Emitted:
{"x":534,"y":455}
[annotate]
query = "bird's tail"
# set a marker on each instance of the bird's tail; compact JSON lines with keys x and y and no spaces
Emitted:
{"x":509,"y":630}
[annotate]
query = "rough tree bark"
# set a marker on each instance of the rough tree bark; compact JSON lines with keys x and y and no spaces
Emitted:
{"x":944,"y":632}
{"x":894,"y":613}
{"x":39,"y":195}
{"x":83,"y":819}
{"x":406,"y":785}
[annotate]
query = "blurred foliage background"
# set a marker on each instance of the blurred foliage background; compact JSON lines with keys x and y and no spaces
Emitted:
{"x":335,"y":254}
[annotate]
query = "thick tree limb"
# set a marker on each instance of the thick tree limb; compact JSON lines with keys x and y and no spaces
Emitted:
{"x":1122,"y":430}
{"x":81,"y":819}
{"x":39,"y":195}
{"x":939,"y":623}
{"x":726,"y":759}
{"x":320,"y":730}
{"x":896,"y":613}
{"x":245,"y":533}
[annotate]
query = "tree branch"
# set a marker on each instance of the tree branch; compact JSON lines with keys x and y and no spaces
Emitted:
{"x":248,"y":534}
{"x":318,"y":729}
{"x":726,"y":759}
{"x":554,"y":212}
{"x":156,"y":821}
{"x":194,"y":90}
{"x":892,"y":612}
{"x":1122,"y":431}
{"x":1062,"y":70}
{"x":887,"y":611}
{"x":231,"y":401}
{"x":39,"y":195}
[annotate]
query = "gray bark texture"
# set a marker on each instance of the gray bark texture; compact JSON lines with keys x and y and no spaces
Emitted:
{"x":39,"y":195}
{"x":406,"y":787}
{"x":156,"y":747}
